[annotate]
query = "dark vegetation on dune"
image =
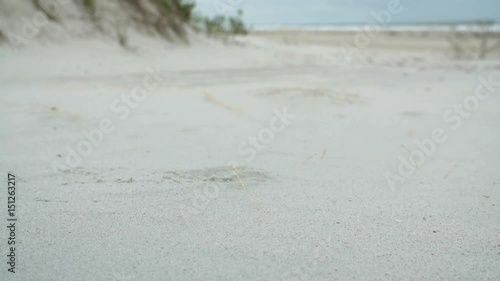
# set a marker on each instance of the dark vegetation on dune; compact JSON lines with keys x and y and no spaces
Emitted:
{"x":170,"y":19}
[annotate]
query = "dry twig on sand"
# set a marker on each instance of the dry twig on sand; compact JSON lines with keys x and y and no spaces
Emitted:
{"x":211,"y":99}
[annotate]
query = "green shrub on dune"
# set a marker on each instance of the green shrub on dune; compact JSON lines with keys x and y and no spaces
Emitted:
{"x":225,"y":25}
{"x":236,"y":25}
{"x":91,"y":7}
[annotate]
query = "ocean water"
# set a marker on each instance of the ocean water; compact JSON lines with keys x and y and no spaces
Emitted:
{"x":393,"y":27}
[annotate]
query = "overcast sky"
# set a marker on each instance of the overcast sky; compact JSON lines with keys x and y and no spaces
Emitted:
{"x":352,"y":11}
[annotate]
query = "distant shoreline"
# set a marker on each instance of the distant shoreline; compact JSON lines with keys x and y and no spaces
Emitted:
{"x":355,"y":27}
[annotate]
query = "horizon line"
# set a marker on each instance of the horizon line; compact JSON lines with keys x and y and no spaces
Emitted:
{"x":451,"y":22}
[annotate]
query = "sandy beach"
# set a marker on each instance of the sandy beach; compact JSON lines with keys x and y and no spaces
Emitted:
{"x":264,"y":157}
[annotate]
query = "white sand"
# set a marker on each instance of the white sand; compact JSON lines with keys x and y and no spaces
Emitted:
{"x":312,"y":205}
